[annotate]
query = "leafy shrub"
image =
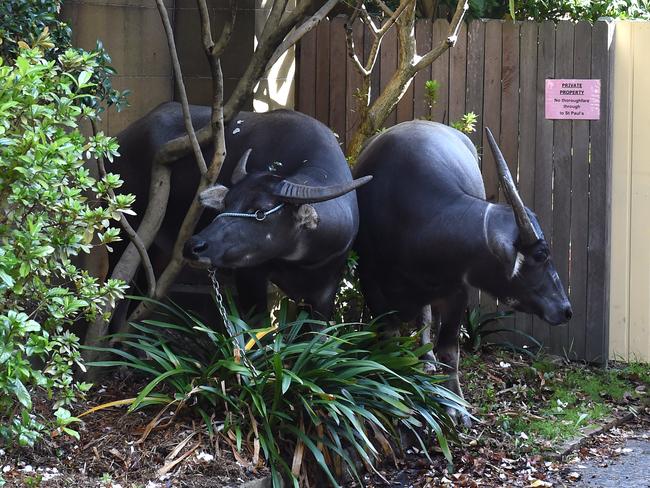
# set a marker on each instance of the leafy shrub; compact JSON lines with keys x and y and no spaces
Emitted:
{"x":24,"y":21}
{"x":51,"y":209}
{"x":555,"y":10}
{"x":35,"y":23}
{"x":307,"y":399}
{"x":479,"y":326}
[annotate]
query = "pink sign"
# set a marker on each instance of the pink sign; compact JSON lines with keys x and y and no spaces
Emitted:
{"x":573,"y":99}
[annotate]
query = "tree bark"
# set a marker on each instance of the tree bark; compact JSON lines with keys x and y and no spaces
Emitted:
{"x":373,"y":116}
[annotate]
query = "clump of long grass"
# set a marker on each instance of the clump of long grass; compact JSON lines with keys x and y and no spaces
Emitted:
{"x":309,"y":395}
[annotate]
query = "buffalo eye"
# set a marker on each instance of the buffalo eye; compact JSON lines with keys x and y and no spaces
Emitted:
{"x":541,"y":255}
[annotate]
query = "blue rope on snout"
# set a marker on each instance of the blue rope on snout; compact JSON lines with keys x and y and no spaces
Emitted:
{"x":259,"y":215}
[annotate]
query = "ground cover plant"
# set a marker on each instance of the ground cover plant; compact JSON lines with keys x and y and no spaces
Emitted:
{"x":491,"y":453}
{"x":311,"y":400}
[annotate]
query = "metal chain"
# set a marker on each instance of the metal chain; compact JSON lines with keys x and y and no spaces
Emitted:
{"x":239,"y":351}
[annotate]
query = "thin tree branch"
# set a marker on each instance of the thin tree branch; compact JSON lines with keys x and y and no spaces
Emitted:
{"x":352,"y":53}
{"x":208,"y":178}
{"x":386,"y":9}
{"x":255,"y":70}
{"x":133,"y":235}
{"x":296,"y":34}
{"x":367,"y":19}
{"x":196,"y":148}
{"x":226,"y":32}
{"x":450,"y":41}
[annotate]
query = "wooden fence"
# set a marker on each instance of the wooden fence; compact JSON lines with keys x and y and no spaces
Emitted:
{"x":498,"y":71}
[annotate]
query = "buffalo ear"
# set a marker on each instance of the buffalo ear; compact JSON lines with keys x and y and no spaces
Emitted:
{"x":509,"y":257}
{"x":214,"y":197}
{"x":307,"y":217}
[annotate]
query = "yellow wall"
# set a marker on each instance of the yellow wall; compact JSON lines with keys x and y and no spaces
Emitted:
{"x":629,"y":335}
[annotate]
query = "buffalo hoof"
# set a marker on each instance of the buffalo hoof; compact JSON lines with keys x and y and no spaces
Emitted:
{"x":459,"y":418}
{"x":430,"y":363}
{"x":430,"y":367}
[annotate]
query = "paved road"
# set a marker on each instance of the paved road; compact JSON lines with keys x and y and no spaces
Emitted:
{"x":630,"y":470}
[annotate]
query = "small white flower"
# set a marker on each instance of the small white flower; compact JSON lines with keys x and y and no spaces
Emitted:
{"x":236,"y":131}
{"x":504,"y":365}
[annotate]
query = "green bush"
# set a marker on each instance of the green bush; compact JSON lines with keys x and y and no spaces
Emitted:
{"x":311,"y":400}
{"x":51,"y":209}
{"x":555,"y":10}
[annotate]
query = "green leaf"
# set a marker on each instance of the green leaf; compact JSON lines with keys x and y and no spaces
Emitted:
{"x":21,"y":393}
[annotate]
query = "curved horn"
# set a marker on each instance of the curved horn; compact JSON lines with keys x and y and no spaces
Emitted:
{"x":526,"y":229}
{"x":239,"y":173}
{"x":295,"y":193}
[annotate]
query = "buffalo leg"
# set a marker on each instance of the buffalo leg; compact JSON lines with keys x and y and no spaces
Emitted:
{"x":252,"y":292}
{"x":451,"y":313}
{"x":378,"y":304}
{"x":424,"y":322}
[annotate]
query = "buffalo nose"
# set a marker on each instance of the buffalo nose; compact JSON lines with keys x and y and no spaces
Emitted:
{"x":194,"y":246}
{"x":568,"y":313}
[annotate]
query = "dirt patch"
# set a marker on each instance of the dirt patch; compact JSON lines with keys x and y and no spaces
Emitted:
{"x":111,"y":452}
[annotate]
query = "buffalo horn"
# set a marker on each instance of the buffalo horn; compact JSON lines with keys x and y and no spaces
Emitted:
{"x":526,"y":229}
{"x":240,"y":170}
{"x":295,"y":193}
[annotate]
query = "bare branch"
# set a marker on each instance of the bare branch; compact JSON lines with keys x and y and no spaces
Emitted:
{"x":379,"y":33}
{"x":385,"y":8}
{"x":133,"y":235}
{"x":393,"y":18}
{"x":297,"y":34}
{"x":274,"y":18}
{"x":206,"y":31}
{"x":367,"y":19}
{"x":226,"y":33}
{"x":181,"y":87}
{"x":352,"y":53}
{"x":450,"y":41}
{"x":271,"y":38}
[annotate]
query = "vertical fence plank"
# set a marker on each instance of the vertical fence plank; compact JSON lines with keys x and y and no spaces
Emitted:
{"x":423,"y":38}
{"x":579,"y":200}
{"x":491,"y":104}
{"x":474,"y":95}
{"x":440,"y":72}
{"x":562,"y":177}
{"x":599,"y":202}
{"x":527,"y":130}
{"x":475,"y":61}
{"x":544,"y":151}
{"x":510,"y":97}
{"x":353,"y":85}
{"x":388,"y":66}
{"x":509,"y":133}
{"x":457,"y":76}
{"x":491,"y":119}
{"x":307,"y":74}
{"x":338,"y":78}
{"x":322,"y":93}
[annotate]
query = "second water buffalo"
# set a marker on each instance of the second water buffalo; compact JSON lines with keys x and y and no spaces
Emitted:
{"x":427,"y":234}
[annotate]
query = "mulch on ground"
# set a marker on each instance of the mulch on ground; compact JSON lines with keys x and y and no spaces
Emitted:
{"x":117,"y":450}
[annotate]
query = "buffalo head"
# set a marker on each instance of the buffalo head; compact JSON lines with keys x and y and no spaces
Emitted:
{"x":526,"y":278}
{"x":262,"y":217}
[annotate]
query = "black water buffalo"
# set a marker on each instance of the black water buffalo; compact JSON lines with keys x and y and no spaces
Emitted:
{"x":427,"y":234}
{"x":283,"y":210}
